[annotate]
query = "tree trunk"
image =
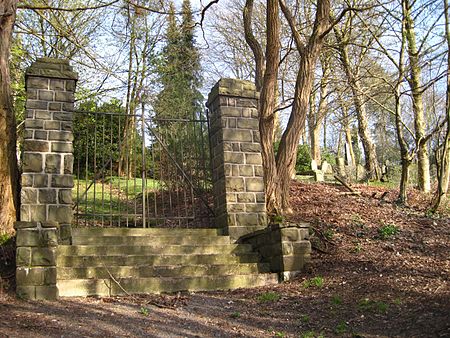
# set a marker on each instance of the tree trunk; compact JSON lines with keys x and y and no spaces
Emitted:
{"x":402,"y":198}
{"x":9,"y":178}
{"x":424,"y":180}
{"x":317,"y":118}
{"x":348,"y":139}
{"x":444,"y":174}
{"x":267,"y":108}
{"x":287,"y":152}
{"x":370,"y":155}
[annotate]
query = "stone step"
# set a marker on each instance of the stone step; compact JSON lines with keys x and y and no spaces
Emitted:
{"x":160,"y":271}
{"x":150,"y":240}
{"x":108,"y":287}
{"x":152,"y":260}
{"x":142,"y":232}
{"x":119,"y":250}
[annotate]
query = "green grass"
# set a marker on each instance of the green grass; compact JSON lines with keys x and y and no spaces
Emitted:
{"x":341,"y":328}
{"x":110,"y":196}
{"x":387,"y":231}
{"x":316,"y":281}
{"x":269,"y":297}
{"x":369,"y":305}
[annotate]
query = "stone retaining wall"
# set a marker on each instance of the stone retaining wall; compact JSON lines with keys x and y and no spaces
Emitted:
{"x":285,"y":247}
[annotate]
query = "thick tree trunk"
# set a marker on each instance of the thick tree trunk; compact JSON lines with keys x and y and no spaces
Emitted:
{"x":424,"y":180}
{"x":287,"y":152}
{"x":9,"y":178}
{"x":363,"y":126}
{"x":267,"y":108}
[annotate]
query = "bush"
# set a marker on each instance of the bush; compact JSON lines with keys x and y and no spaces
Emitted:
{"x":303,"y":162}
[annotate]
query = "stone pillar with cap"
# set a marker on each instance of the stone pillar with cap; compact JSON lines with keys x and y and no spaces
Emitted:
{"x":238,"y":182}
{"x":47,"y":181}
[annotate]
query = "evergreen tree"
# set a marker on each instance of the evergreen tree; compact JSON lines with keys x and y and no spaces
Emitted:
{"x":179,"y":69}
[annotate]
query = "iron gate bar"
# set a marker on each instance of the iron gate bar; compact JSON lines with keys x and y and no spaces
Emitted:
{"x":182,"y":171}
{"x":131,"y":160}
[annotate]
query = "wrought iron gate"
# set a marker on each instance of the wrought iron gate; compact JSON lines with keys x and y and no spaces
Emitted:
{"x":135,"y":171}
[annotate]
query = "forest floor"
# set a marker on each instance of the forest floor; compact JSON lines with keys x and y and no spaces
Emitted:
{"x":377,"y":271}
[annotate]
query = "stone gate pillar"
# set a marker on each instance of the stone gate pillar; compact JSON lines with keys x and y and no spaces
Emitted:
{"x":238,"y":183}
{"x":47,"y":181}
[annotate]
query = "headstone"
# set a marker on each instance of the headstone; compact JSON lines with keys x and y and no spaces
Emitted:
{"x":314,"y":165}
{"x":327,"y":168}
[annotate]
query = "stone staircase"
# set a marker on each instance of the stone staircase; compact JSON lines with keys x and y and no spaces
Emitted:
{"x":119,"y":261}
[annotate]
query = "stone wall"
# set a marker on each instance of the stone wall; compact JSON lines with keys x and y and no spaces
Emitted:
{"x":47,"y":181}
{"x":285,"y":247}
{"x":238,"y":183}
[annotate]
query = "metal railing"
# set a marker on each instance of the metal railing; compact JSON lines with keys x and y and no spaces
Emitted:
{"x":135,"y":171}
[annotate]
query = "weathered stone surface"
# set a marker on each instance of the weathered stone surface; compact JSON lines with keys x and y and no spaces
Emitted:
{"x":60,"y":213}
{"x":68,"y":164}
{"x":64,"y":96}
{"x":43,"y":115}
{"x":47,"y":196}
{"x":46,"y":292}
{"x":254,"y":184}
{"x":36,"y":104}
{"x":63,"y":116}
{"x":35,"y":145}
{"x":34,"y":124}
{"x":232,"y":157}
{"x":65,"y":234}
{"x":60,"y":136}
{"x":40,"y":134}
{"x":65,"y":196}
{"x":234,"y":184}
{"x":36,"y":276}
{"x":28,"y":237}
{"x":53,"y":163}
{"x":38,"y":212}
{"x":247,"y":123}
{"x":62,"y":147}
{"x":246,"y":197}
{"x":26,"y":292}
{"x":246,"y":170}
{"x":28,"y":196}
{"x":255,"y":207}
{"x":55,"y":106}
{"x":253,"y":159}
{"x":57,"y":84}
{"x":27,"y":180}
{"x":43,"y":256}
{"x":37,"y":83}
{"x":40,"y":181}
{"x":52,"y":125}
{"x":250,"y":147}
{"x":237,"y":135}
{"x":62,"y":181}
{"x":45,"y":95}
{"x":23,"y":256}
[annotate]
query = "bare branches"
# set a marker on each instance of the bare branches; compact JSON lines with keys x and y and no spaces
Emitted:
{"x":25,"y":5}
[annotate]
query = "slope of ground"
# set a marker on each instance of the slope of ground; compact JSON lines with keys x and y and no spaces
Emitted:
{"x":377,"y":271}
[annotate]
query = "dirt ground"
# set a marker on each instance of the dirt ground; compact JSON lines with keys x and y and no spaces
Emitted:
{"x":377,"y":271}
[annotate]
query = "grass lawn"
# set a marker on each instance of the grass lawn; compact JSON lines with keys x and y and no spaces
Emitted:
{"x":115,"y":195}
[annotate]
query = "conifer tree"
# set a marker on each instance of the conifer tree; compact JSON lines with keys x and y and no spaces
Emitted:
{"x":179,"y":69}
